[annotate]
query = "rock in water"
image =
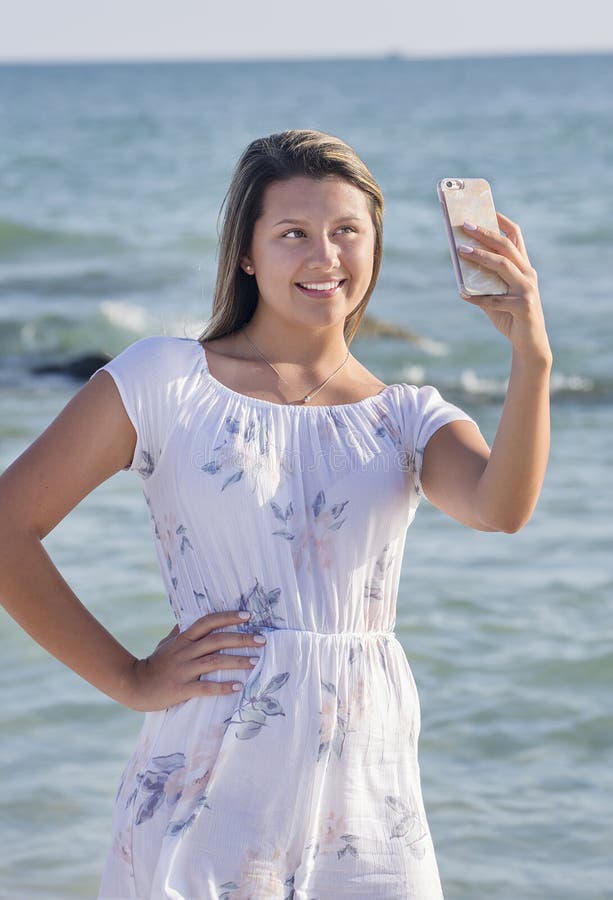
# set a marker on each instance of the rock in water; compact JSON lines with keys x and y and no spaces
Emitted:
{"x":373,"y":327}
{"x":81,"y":367}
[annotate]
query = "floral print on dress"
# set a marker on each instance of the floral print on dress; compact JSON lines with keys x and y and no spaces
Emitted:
{"x":259,"y":601}
{"x":174,"y":541}
{"x":408,"y":826}
{"x":201,"y":766}
{"x":256,"y":706}
{"x":349,"y":847}
{"x":355,"y":650}
{"x":161,"y":783}
{"x":413,"y":465}
{"x":241,"y":448}
{"x":146,"y":467}
{"x":312,"y":541}
{"x":122,"y":839}
{"x":283,"y":515}
{"x":333,"y":728}
{"x":334,"y":836}
{"x":203,"y":599}
{"x":388,"y":429}
{"x":175,"y":828}
{"x":374,"y":589}
{"x":265,"y":880}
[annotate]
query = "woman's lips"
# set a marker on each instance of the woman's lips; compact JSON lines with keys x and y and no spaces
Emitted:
{"x":325,"y":294}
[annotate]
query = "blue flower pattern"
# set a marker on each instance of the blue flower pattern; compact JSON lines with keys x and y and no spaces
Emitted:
{"x":333,"y":728}
{"x":157,"y":786}
{"x":249,"y":443}
{"x":408,"y":826}
{"x":146,"y":467}
{"x":260,"y":601}
{"x":311,"y":538}
{"x":256,"y":706}
{"x":174,"y":829}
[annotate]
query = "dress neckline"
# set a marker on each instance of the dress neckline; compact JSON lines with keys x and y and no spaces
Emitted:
{"x":261,"y":402}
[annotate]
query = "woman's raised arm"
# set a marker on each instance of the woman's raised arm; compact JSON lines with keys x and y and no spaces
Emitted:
{"x":498,"y":490}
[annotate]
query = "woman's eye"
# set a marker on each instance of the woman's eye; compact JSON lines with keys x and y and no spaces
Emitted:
{"x":344,"y":228}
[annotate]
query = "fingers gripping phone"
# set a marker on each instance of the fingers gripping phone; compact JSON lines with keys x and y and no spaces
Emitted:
{"x":469,"y":200}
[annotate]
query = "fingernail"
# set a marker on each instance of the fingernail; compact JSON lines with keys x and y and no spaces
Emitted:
{"x":254,"y":660}
{"x":470,"y":226}
{"x":237,"y":686}
{"x":259,"y":638}
{"x":465,"y":248}
{"x":244,"y":615}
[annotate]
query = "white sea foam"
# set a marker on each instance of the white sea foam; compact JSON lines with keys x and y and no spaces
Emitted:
{"x":127,"y":315}
{"x":477,"y":385}
{"x":414,"y":375}
{"x":433,"y":348}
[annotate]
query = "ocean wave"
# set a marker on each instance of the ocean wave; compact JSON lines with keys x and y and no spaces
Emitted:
{"x":21,"y":238}
{"x":470,"y":386}
{"x":27,"y":337}
{"x":128,"y":316}
{"x":561,"y":385}
{"x":92,"y":277}
{"x":473,"y":384}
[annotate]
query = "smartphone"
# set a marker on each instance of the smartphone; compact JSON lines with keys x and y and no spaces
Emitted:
{"x":469,"y":200}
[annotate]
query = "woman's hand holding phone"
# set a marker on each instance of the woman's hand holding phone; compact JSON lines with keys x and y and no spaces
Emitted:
{"x":491,"y":265}
{"x":518,"y":314}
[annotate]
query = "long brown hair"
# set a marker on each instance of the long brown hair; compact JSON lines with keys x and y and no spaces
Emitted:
{"x":267,"y":160}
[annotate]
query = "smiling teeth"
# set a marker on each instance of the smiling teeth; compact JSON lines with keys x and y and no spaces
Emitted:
{"x":324,"y":286}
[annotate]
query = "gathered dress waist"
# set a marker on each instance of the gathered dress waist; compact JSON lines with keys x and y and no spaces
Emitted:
{"x":268,"y":630}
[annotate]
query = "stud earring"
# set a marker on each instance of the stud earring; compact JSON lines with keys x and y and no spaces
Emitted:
{"x":249,"y":269}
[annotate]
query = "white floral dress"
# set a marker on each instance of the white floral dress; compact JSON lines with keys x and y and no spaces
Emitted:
{"x":305,"y":785}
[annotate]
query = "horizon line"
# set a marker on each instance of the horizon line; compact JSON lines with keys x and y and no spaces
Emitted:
{"x":391,"y":55}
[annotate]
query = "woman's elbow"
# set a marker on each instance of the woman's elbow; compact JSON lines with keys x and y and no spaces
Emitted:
{"x":507,"y":523}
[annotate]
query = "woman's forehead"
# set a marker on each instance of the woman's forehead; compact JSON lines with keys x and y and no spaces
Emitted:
{"x":302,"y":196}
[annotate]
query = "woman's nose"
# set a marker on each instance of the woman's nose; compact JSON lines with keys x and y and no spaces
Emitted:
{"x":324,"y":253}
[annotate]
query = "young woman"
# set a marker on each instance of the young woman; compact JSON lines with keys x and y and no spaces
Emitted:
{"x":280,"y":477}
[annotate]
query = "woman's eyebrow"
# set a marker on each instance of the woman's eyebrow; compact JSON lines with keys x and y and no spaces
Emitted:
{"x":347,"y":218}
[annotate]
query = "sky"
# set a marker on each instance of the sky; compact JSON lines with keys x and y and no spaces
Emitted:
{"x":81,"y":30}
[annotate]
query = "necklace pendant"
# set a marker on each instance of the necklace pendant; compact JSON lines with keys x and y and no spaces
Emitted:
{"x":306,"y":399}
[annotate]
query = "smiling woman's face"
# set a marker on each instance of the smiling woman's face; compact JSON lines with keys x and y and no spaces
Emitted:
{"x":312,"y":249}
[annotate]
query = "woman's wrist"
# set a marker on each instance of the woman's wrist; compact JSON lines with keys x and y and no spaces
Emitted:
{"x":129,"y":688}
{"x":538,"y":361}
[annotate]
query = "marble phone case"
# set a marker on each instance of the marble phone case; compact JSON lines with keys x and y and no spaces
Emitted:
{"x":469,"y":200}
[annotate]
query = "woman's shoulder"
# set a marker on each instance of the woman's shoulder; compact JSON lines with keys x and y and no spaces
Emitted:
{"x":160,"y":350}
{"x":423,"y":409}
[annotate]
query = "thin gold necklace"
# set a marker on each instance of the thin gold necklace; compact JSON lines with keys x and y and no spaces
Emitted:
{"x":312,"y":393}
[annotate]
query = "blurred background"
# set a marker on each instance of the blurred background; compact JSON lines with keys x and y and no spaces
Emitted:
{"x":119,"y":131}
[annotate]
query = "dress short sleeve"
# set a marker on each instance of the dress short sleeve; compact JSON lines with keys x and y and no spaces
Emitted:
{"x":146,"y":374}
{"x":423,"y":412}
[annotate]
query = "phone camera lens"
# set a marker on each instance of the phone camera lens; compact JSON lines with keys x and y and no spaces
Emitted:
{"x":449,"y":184}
